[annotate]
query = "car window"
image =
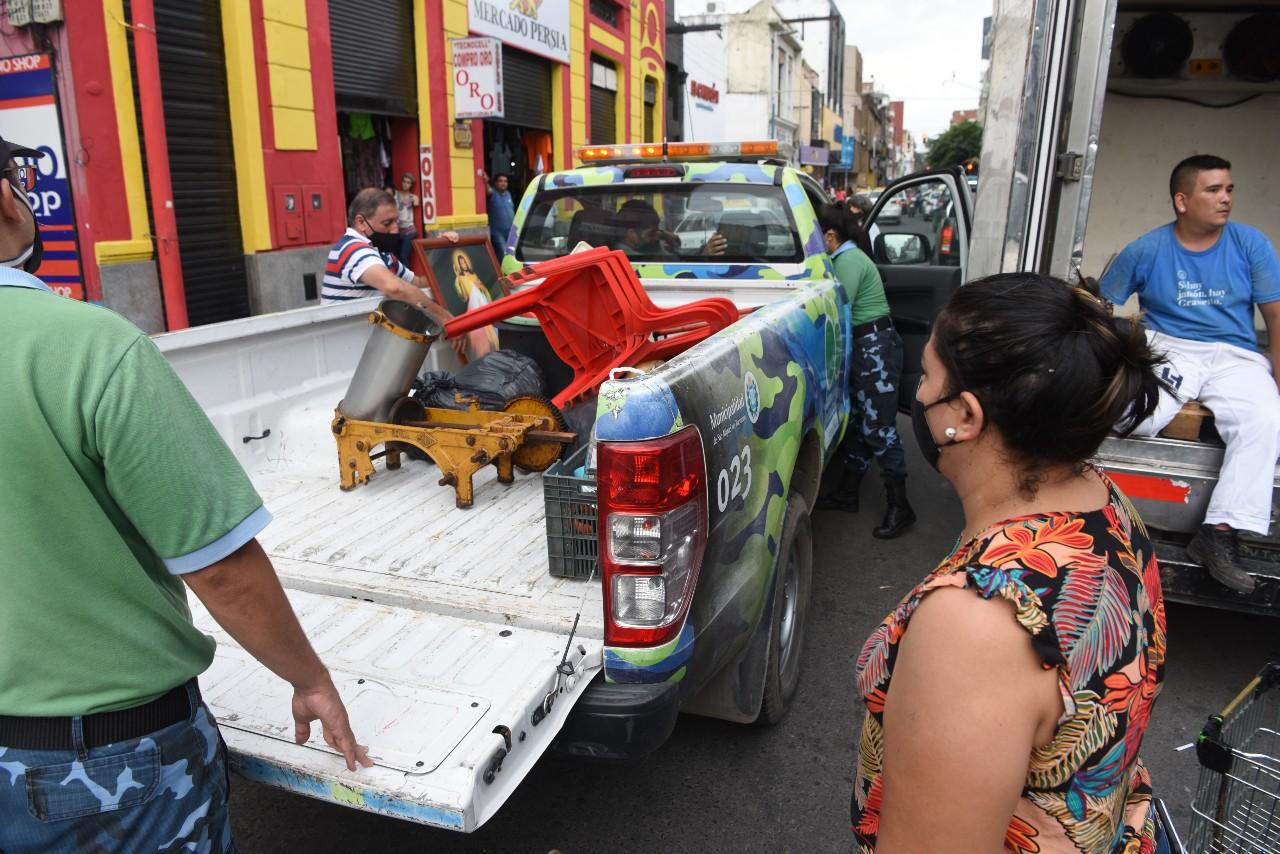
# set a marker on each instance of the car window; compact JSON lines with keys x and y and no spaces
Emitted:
{"x":664,"y":222}
{"x":917,"y":225}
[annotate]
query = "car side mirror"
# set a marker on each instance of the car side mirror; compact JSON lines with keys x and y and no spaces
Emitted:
{"x":897,"y":249}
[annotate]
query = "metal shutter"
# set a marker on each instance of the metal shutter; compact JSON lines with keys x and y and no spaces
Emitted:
{"x":373,"y":68}
{"x":650,"y":107}
{"x":604,"y":102}
{"x":604,"y":128}
{"x":526,"y":89}
{"x":193,"y":81}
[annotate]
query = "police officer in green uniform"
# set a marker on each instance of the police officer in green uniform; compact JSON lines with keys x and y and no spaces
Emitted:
{"x":875,"y":370}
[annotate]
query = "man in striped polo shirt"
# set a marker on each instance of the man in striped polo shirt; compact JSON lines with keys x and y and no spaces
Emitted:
{"x":363,"y":262}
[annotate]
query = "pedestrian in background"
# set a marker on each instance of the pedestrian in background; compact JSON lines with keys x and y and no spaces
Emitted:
{"x":875,"y":368}
{"x":860,"y":204}
{"x":502,"y":212}
{"x":406,"y":201}
{"x":119,"y":494}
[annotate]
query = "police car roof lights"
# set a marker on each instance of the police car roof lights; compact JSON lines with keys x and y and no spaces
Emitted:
{"x":649,"y":151}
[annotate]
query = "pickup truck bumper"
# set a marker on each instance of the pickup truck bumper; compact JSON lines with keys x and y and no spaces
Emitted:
{"x":620,"y":721}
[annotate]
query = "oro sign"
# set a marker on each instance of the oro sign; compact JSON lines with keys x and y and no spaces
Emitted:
{"x":428,"y":187}
{"x":477,"y":78}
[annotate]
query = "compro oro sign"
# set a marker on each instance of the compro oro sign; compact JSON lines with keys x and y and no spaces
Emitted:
{"x":536,"y":26}
{"x":477,"y":78}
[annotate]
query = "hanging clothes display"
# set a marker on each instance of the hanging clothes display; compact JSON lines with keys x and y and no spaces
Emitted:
{"x":364,"y":152}
{"x":537,"y":146}
{"x":501,"y":159}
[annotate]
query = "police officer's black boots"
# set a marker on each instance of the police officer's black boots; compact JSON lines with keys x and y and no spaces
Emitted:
{"x":898,"y":514}
{"x":845,"y":496}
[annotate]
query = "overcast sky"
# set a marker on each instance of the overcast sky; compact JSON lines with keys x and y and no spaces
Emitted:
{"x":927,"y":53}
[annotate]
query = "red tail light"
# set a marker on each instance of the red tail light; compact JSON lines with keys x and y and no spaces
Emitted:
{"x":655,"y":172}
{"x":653,"y":531}
{"x":944,"y":242}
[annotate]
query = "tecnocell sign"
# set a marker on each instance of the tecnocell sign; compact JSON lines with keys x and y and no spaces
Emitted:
{"x":477,"y":78}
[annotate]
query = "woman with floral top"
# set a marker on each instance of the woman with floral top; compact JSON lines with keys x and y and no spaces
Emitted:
{"x":1007,"y":695}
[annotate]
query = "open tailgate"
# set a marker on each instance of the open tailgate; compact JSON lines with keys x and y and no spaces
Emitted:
{"x":455,"y":711}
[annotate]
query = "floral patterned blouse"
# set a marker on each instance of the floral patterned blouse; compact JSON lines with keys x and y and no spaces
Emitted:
{"x":1086,"y":588}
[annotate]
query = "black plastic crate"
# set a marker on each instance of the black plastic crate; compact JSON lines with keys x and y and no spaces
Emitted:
{"x":572,"y":545}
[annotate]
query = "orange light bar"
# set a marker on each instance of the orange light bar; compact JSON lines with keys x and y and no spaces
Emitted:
{"x":688,"y":149}
{"x":677,"y":151}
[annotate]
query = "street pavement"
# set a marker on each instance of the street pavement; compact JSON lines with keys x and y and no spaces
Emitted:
{"x":721,"y":787}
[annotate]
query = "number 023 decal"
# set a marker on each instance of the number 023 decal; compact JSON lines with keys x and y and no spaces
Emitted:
{"x":734,"y":480}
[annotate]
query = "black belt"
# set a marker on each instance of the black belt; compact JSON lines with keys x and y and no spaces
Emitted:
{"x":26,"y":733}
{"x":878,"y":325}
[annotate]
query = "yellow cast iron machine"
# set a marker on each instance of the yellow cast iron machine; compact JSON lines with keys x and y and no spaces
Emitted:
{"x":529,"y":433}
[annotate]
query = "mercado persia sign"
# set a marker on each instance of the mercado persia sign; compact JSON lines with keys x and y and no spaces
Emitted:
{"x":29,"y":117}
{"x":536,"y":26}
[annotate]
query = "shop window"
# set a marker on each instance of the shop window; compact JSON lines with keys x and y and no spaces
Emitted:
{"x":604,"y":102}
{"x":607,"y":11}
{"x":650,"y":109}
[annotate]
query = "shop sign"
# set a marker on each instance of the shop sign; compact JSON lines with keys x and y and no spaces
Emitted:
{"x":536,"y":26}
{"x":703,"y":92}
{"x":846,"y":151}
{"x":813,"y":155}
{"x":29,"y":116}
{"x":477,"y":78}
{"x":23,"y":13}
{"x":426,"y":165}
{"x":461,"y":135}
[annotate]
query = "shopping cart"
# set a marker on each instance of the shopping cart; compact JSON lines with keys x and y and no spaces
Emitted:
{"x":1237,"y":802}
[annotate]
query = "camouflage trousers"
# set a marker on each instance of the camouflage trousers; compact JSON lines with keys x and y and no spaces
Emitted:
{"x":166,"y":791}
{"x":873,"y":426}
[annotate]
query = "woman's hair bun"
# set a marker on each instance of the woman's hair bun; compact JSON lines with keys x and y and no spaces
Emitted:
{"x":1054,"y":370}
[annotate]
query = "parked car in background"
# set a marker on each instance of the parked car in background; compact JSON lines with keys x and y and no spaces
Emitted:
{"x":891,"y":213}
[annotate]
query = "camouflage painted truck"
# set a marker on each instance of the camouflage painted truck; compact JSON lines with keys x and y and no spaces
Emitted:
{"x":462,"y":659}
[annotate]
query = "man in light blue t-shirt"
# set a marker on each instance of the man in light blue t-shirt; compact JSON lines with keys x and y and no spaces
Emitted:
{"x":1198,"y":279}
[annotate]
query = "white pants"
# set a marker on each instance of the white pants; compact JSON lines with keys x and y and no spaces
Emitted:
{"x":1237,"y":385}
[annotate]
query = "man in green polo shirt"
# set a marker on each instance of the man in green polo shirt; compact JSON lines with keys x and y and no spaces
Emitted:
{"x":117,"y":491}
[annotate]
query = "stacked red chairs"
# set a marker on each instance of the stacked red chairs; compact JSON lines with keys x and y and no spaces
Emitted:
{"x":597,"y":316}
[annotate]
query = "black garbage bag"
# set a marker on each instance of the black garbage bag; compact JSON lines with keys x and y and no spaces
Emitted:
{"x":493,"y":379}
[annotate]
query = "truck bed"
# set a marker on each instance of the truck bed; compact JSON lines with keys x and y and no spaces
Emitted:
{"x":444,"y":632}
{"x":400,"y":540}
{"x":270,"y":385}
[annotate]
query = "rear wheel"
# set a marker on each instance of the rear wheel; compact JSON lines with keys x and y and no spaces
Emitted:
{"x":793,"y":582}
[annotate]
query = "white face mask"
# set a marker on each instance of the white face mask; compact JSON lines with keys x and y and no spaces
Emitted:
{"x":24,"y":260}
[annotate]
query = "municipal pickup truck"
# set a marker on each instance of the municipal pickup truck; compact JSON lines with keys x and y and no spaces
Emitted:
{"x":1090,"y":105}
{"x":460,"y":657}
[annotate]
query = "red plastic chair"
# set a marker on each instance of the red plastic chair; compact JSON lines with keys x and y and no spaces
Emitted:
{"x":597,"y":317}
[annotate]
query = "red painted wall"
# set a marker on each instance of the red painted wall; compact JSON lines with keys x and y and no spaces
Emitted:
{"x":321,"y":169}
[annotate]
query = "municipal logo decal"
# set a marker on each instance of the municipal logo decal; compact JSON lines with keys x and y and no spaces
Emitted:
{"x":751,"y":393}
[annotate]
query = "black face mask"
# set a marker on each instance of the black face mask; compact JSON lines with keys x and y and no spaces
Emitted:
{"x":929,"y":447}
{"x":385,"y":242}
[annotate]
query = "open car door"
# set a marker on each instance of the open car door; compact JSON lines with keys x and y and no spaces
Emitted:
{"x":919,"y":230}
